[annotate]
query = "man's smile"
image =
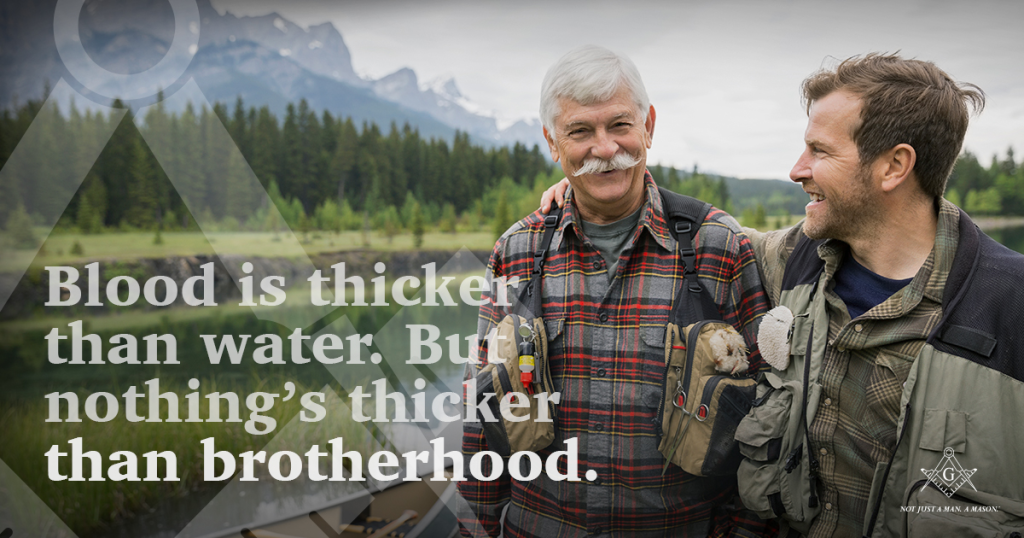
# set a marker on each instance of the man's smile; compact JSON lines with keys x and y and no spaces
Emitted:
{"x":816,"y":199}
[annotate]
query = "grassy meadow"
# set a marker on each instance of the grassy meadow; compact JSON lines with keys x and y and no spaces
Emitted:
{"x":59,"y":249}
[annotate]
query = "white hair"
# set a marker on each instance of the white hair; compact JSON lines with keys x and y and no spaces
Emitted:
{"x":588,"y":75}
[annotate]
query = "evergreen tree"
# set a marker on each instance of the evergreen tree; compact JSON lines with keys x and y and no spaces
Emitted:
{"x":114,"y":165}
{"x":389,"y":222}
{"x":265,"y":147}
{"x":984,"y":202}
{"x":343,"y":163}
{"x":216,"y":152}
{"x":448,"y":218}
{"x":241,"y":194}
{"x":412,"y":160}
{"x":501,"y":216}
{"x":19,"y":229}
{"x":347,"y":218}
{"x":463,"y":189}
{"x":188,"y":163}
{"x":407,"y":209}
{"x":239,"y":129}
{"x":1008,"y":166}
{"x":394,"y":155}
{"x":326,"y":216}
{"x":954,"y":197}
{"x":326,"y":157}
{"x":417,"y":225}
{"x":673,"y":180}
{"x":142,"y":196}
{"x":92,"y":205}
{"x":760,"y":221}
{"x":158,"y":138}
{"x":291,"y":159}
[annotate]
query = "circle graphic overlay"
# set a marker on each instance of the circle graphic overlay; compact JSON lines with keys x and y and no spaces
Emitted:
{"x":117,"y":85}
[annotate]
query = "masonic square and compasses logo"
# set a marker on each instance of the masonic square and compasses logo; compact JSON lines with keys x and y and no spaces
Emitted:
{"x":949,"y":475}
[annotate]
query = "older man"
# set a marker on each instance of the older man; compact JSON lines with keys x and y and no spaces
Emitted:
{"x":892,"y":415}
{"x":612,"y":275}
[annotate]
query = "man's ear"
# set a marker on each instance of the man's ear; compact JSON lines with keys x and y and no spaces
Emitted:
{"x":649,"y":125}
{"x":551,"y":145}
{"x":896,"y":166}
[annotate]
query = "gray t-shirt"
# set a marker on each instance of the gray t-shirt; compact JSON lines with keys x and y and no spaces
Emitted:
{"x":610,"y":239}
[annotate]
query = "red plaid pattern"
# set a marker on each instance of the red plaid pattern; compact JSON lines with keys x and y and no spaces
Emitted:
{"x":606,"y":343}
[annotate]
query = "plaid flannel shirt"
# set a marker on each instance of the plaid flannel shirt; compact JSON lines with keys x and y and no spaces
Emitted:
{"x":606,"y":347}
{"x":866,"y":364}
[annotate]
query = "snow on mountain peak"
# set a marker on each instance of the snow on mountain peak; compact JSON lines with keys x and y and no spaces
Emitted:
{"x":401,"y":82}
{"x":444,"y":86}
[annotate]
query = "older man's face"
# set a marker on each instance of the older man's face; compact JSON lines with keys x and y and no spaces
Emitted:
{"x":591,"y":139}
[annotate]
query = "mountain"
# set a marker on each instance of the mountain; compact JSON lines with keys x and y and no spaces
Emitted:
{"x":265,"y":77}
{"x":442,"y":99}
{"x":267,"y":60}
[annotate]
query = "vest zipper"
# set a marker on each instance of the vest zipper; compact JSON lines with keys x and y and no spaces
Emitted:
{"x":659,"y":418}
{"x":812,"y":460}
{"x":506,"y":383}
{"x":690,"y":350}
{"x":709,"y":391}
{"x":885,"y":477}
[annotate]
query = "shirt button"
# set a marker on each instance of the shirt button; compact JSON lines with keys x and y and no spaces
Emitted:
{"x":597,"y":265}
{"x":599,"y":427}
{"x":858,"y":327}
{"x":823,"y":452}
{"x":600,"y":372}
{"x":841,"y":350}
{"x":828,"y":401}
{"x":603,"y":317}
{"x":828,"y":506}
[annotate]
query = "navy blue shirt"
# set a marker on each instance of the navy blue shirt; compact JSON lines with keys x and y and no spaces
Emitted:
{"x":861,"y":289}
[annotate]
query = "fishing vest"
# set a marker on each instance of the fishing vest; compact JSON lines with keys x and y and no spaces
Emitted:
{"x":956,"y":469}
{"x":702,"y":401}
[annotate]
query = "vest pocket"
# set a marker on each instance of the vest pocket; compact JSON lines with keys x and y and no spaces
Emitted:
{"x":759,"y":436}
{"x":775,"y":475}
{"x":760,"y":432}
{"x":942,"y":428}
{"x":525,"y":426}
{"x":700,"y":405}
{"x":760,"y":488}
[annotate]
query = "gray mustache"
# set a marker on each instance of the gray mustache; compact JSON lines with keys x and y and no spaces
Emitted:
{"x":594,"y":165}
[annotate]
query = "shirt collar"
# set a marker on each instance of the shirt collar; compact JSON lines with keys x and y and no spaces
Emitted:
{"x":652,"y":217}
{"x":930,"y":280}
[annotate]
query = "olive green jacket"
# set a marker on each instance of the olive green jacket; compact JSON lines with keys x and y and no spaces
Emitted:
{"x":955,"y":469}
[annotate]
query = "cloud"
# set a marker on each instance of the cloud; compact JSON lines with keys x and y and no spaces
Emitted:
{"x":724,"y":77}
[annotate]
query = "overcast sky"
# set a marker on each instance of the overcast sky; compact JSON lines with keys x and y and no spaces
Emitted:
{"x":724,"y":76}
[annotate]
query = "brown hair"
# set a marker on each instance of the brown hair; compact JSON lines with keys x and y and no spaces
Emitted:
{"x":903,"y":101}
